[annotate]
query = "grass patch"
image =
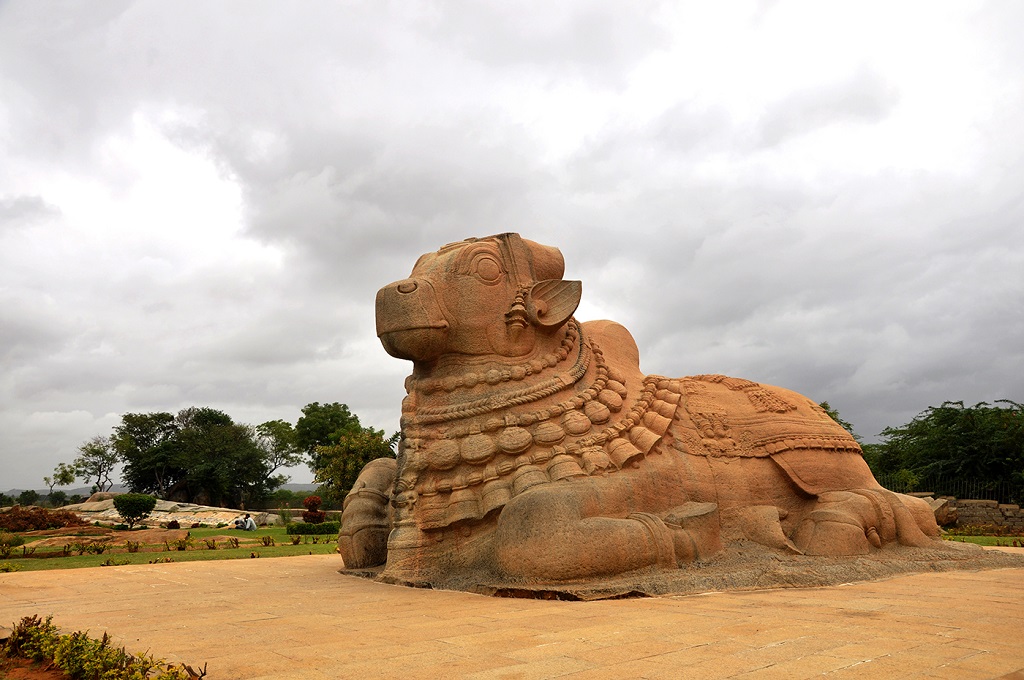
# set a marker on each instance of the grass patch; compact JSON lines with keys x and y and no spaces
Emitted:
{"x":996,"y":541}
{"x":251,"y":544}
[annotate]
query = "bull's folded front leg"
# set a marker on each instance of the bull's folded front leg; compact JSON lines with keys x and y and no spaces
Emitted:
{"x":544,"y":535}
{"x":567,"y":532}
{"x":366,"y":519}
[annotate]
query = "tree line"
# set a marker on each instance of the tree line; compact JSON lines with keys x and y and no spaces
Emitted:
{"x":942,"y":445}
{"x":201,"y":455}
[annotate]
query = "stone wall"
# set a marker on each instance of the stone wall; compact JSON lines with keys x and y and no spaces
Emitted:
{"x":971,"y":512}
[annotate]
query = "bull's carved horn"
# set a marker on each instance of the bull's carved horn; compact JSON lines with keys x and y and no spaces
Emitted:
{"x":551,"y":303}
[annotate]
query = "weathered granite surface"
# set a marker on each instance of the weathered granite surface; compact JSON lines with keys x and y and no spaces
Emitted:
{"x":537,"y":457}
{"x":186,"y":514}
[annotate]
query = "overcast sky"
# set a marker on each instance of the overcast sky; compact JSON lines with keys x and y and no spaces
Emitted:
{"x":198,"y":201}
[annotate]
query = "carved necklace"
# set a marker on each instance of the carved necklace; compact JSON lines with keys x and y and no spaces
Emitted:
{"x":497,"y":376}
{"x":526,"y":395}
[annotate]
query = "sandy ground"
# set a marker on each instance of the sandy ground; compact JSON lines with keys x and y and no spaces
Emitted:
{"x":297,"y":617}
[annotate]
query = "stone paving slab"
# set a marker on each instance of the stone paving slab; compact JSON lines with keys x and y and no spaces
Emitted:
{"x":297,"y":617}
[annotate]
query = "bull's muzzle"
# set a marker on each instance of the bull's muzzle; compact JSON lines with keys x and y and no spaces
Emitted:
{"x":410,"y":323}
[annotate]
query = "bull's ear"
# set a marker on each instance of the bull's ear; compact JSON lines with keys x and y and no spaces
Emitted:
{"x":552,"y":302}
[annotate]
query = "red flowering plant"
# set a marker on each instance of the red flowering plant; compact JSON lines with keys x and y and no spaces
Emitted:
{"x":313,"y":513}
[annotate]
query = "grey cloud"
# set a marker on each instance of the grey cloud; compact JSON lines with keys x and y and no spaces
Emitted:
{"x":864,"y":97}
{"x":31,"y":326}
{"x":21,"y":211}
{"x":686,"y":128}
{"x":594,"y":40}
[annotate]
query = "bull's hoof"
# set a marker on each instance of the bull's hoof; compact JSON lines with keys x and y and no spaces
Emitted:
{"x":366,"y":547}
{"x":829,"y":533}
{"x":696,"y":531}
{"x":761,"y":524}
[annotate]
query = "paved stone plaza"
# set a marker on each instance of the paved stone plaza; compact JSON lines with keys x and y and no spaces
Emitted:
{"x":298,"y":618}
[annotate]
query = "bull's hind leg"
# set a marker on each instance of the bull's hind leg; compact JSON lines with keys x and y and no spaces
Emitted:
{"x":857,"y":521}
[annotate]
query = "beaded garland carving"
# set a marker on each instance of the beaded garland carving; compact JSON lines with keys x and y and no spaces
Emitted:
{"x":475,"y":466}
{"x":496,"y":376}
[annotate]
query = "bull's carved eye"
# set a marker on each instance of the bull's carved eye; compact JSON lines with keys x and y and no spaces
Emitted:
{"x":487,"y":269}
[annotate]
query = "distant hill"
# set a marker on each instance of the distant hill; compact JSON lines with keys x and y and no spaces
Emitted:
{"x":86,"y":491}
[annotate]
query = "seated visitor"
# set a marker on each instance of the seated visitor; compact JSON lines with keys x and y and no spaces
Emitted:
{"x":245,"y":523}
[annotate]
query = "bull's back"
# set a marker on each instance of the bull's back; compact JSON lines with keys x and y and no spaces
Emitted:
{"x":724,"y":419}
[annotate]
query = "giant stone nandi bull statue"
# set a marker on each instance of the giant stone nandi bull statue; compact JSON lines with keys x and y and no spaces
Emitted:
{"x":535,"y":452}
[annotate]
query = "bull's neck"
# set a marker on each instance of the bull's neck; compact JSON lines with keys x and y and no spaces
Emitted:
{"x":441,"y":397}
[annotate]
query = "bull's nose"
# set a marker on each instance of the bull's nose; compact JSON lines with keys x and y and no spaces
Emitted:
{"x":407,"y":287}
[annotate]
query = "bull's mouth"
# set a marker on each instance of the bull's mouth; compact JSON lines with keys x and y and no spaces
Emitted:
{"x":420,"y":343}
{"x":441,"y":326}
{"x":410,"y":323}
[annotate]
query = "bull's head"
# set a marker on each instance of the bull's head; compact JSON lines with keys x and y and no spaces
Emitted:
{"x":496,"y":296}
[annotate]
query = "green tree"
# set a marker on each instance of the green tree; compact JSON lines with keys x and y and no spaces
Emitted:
{"x":148,"y":445}
{"x":278,"y":442}
{"x":834,"y":415}
{"x":982,"y":444}
{"x":28,"y":497}
{"x":134,"y":507}
{"x":286,"y":498}
{"x":57,"y":498}
{"x":342,"y":461}
{"x":96,"y":462}
{"x":6,"y":500}
{"x":201,"y":455}
{"x":322,"y":425}
{"x":223,"y":464}
{"x":63,"y":475}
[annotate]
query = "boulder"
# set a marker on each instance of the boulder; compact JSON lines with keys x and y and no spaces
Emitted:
{"x":945,"y":512}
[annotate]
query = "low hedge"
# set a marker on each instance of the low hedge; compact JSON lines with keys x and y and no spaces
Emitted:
{"x":305,"y":528}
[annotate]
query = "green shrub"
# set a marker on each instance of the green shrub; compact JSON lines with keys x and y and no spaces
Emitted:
{"x":11,"y":540}
{"x":304,"y":528}
{"x":8,"y":542}
{"x":134,"y":506}
{"x":81,"y":656}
